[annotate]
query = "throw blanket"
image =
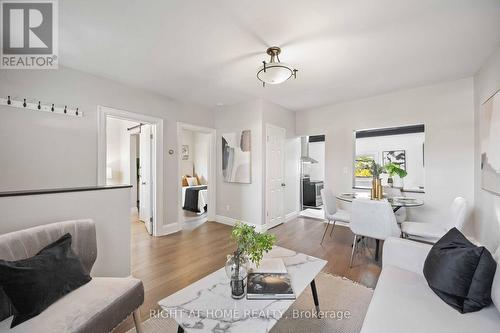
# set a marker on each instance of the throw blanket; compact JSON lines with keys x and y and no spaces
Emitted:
{"x":191,"y":200}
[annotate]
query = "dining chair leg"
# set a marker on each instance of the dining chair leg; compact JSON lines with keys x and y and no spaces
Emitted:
{"x":353,"y":248}
{"x":326,"y":229}
{"x":333,"y":226}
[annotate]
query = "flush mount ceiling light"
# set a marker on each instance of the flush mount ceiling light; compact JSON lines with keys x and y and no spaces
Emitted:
{"x":275,"y":71}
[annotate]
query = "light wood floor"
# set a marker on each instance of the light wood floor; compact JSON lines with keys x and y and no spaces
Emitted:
{"x":170,"y":263}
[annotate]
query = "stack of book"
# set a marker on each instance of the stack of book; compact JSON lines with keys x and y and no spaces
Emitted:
{"x":269,"y":281}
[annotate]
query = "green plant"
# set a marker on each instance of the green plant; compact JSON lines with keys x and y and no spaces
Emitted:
{"x":393,"y":169}
{"x":377,"y":170}
{"x":251,"y":243}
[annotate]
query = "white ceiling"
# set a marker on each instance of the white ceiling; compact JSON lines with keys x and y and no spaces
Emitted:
{"x":206,"y":52}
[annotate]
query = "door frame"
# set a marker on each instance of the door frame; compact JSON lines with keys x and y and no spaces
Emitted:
{"x":157,"y":163}
{"x":268,"y":126}
{"x":212,"y":166}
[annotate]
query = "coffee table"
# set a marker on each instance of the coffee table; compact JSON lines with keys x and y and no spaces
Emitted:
{"x":207,"y":306}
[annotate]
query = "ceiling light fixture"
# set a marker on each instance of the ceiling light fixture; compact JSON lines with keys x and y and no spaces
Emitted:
{"x":275,"y":71}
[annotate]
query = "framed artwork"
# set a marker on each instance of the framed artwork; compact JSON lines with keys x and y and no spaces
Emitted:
{"x":363,"y":165}
{"x":236,"y":157}
{"x":489,"y":134}
{"x":394,"y":156}
{"x":185,"y":152}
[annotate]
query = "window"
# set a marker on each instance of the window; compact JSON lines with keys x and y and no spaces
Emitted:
{"x":401,"y":147}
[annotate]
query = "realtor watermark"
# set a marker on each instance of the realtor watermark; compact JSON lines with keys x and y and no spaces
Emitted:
{"x":29,"y":34}
{"x":235,"y":314}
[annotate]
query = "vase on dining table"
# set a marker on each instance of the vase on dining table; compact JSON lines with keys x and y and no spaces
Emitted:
{"x":376,"y":192}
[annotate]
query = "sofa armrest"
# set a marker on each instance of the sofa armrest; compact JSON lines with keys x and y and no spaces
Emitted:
{"x":405,"y":254}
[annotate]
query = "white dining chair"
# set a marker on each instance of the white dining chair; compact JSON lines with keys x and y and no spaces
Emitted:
{"x":432,"y":232}
{"x":372,"y":219}
{"x":393,"y":192}
{"x":332,"y":214}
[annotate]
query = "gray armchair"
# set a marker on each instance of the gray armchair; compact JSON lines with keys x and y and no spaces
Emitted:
{"x":98,"y":306}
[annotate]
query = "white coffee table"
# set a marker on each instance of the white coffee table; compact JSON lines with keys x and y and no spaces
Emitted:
{"x":207,"y":306}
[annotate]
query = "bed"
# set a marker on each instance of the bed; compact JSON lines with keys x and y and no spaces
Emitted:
{"x":195,"y":198}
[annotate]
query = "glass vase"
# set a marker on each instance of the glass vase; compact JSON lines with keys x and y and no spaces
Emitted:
{"x":237,"y":270}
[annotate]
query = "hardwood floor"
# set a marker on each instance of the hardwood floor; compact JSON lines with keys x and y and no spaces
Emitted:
{"x":170,"y":263}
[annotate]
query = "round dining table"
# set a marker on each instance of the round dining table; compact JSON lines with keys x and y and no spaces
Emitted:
{"x":396,"y":202}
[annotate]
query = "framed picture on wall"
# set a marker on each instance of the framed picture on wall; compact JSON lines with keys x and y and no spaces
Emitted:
{"x":363,"y":165}
{"x":185,"y":152}
{"x":236,"y":157}
{"x":394,"y":156}
{"x":489,"y":134}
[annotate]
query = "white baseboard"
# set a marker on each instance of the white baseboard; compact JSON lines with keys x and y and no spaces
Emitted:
{"x":168,"y":229}
{"x":230,"y":221}
{"x":291,"y":216}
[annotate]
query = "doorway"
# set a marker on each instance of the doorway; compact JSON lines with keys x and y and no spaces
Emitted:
{"x":196,"y":175}
{"x":312,"y":176}
{"x":130,"y":151}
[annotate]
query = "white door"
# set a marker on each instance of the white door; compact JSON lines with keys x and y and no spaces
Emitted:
{"x":145,"y":178}
{"x":275,"y":175}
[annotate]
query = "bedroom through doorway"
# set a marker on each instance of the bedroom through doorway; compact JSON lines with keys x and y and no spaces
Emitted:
{"x":196,"y":159}
{"x":130,"y":152}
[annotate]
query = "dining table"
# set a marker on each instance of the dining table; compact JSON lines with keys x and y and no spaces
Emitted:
{"x":396,"y":203}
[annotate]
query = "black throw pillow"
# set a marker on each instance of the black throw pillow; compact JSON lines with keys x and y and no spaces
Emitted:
{"x":33,"y":284}
{"x":460,"y":273}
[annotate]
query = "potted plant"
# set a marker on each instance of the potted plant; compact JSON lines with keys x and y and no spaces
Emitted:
{"x":377,"y":170}
{"x":250,"y":246}
{"x":393,"y":169}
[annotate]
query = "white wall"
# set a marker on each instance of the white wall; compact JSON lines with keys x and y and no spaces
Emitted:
{"x":59,"y":151}
{"x":201,"y":144}
{"x":487,"y":213}
{"x":199,"y":149}
{"x":411,"y":143}
{"x":241,"y":201}
{"x":118,"y":150}
{"x":446,"y":109}
{"x":109,"y":209}
{"x":187,"y":165}
{"x":246,"y":202}
{"x":292,"y":177}
{"x":316,"y":171}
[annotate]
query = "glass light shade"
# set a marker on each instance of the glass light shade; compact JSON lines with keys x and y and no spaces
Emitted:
{"x":275,"y":73}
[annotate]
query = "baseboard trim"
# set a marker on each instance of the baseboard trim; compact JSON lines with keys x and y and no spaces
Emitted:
{"x":291,"y":216}
{"x":168,"y":229}
{"x":230,"y":221}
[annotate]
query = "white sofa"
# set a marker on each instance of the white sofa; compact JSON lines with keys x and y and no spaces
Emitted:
{"x":403,"y":302}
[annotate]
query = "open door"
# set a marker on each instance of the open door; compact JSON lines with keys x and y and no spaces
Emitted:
{"x":145,"y":178}
{"x":275,"y":176}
